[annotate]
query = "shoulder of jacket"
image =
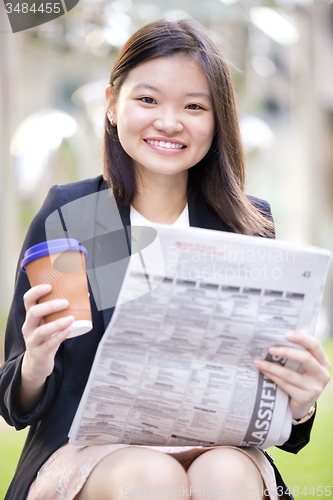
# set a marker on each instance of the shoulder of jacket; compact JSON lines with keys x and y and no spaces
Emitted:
{"x":259,"y":203}
{"x":60,"y":195}
{"x":264,"y":208}
{"x":74,"y":190}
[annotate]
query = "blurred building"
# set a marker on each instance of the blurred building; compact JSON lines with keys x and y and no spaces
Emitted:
{"x":52,"y":107}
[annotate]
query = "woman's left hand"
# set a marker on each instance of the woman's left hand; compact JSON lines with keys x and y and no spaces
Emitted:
{"x":303,"y":388}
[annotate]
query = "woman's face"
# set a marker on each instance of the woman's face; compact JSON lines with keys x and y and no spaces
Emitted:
{"x":165,"y":117}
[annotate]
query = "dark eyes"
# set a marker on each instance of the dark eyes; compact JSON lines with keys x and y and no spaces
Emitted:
{"x":150,"y":100}
{"x":194,"y":106}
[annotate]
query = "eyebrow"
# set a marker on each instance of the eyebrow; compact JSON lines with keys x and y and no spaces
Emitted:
{"x":190,"y":94}
{"x":199,"y":94}
{"x":146,"y":86}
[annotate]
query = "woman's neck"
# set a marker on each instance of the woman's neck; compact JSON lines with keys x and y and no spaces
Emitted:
{"x":161,"y":201}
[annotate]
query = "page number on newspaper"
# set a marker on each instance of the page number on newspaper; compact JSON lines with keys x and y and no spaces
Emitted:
{"x":306,"y":274}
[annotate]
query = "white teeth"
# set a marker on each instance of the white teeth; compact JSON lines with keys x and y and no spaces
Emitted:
{"x":167,"y":145}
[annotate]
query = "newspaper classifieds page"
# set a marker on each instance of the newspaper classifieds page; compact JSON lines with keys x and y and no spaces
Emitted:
{"x":175,"y":365}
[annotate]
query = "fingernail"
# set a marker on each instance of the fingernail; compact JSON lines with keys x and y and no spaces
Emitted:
{"x":273,"y":350}
{"x":69,"y":319}
{"x":258,"y":362}
{"x":291,"y":335}
{"x":63,"y":302}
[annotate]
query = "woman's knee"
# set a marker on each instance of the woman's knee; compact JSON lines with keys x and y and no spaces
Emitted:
{"x":132,"y":468}
{"x":224,"y":461}
{"x":225,"y":468}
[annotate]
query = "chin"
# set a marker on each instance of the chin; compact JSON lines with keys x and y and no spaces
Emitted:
{"x":169,"y":171}
{"x":160,"y":170}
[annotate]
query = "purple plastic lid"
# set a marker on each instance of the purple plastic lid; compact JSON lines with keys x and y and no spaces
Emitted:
{"x":52,"y":246}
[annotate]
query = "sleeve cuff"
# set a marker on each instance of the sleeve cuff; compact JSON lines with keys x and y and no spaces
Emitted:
{"x":18,"y":418}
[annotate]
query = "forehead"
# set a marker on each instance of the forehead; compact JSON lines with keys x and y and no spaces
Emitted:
{"x":180,"y":72}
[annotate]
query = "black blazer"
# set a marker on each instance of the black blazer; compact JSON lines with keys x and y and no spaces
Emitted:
{"x":50,"y":421}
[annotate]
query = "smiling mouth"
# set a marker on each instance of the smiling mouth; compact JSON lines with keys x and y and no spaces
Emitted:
{"x":166,"y":144}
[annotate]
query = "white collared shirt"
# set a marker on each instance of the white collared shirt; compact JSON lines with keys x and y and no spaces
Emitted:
{"x":139,"y":220}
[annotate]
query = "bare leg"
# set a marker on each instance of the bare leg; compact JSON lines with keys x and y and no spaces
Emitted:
{"x":224,"y":472}
{"x":120,"y":473}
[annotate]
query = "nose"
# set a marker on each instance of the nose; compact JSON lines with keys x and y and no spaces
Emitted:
{"x":168,"y":122}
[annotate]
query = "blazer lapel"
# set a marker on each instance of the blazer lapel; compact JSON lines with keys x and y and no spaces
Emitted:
{"x":202,"y":215}
{"x":110,"y":250}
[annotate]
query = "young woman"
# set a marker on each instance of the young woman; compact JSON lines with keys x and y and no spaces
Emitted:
{"x":172,"y":155}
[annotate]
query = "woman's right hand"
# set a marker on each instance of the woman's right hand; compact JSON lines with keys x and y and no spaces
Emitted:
{"x":42,"y":342}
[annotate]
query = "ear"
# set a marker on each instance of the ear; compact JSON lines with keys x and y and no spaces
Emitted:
{"x":111,"y":103}
{"x":108,"y":93}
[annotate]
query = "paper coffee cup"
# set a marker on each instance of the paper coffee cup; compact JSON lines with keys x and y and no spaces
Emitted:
{"x":61,"y":263}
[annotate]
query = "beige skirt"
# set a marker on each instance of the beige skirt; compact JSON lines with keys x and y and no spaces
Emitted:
{"x":66,"y":471}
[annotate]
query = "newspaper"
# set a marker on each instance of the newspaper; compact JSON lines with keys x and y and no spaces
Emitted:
{"x":175,"y":365}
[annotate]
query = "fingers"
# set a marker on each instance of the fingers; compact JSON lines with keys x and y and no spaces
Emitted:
{"x":303,"y":388}
{"x":316,"y":374}
{"x":310,"y":364}
{"x":31,"y":297}
{"x":287,"y":378}
{"x":310,"y":344}
{"x":42,"y":346}
{"x":53,"y":330}
{"x":293,"y":386}
{"x":298,"y":386}
{"x":38,"y":311}
{"x":46,"y":350}
{"x":39,"y":359}
{"x":280,"y":374}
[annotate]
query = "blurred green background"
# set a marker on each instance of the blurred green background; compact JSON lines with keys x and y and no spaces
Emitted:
{"x":280,"y":52}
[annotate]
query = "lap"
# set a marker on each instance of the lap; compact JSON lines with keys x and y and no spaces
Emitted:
{"x":68,"y":469}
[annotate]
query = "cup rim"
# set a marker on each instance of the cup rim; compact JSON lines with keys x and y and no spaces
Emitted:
{"x":52,"y":246}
